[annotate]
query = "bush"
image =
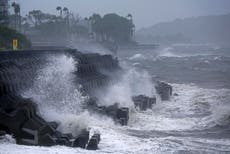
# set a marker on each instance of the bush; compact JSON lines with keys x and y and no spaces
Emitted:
{"x":6,"y":38}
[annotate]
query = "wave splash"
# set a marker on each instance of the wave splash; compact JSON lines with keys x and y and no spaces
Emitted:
{"x":193,"y":109}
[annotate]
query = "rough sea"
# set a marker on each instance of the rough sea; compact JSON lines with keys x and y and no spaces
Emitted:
{"x":196,"y":120}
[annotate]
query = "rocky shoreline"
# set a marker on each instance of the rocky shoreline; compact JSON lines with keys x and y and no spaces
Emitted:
{"x":19,"y":117}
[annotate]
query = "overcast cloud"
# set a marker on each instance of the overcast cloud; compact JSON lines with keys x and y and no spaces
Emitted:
{"x":145,"y":12}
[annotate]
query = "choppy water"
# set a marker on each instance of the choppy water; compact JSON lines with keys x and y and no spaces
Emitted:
{"x":195,"y":120}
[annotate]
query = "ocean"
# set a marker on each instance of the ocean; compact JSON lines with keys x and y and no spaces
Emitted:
{"x":196,"y":120}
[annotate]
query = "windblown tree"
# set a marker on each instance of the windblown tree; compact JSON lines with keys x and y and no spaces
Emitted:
{"x":8,"y":34}
{"x":66,"y":18}
{"x":112,"y":27}
{"x":35,"y":17}
{"x":4,"y":13}
{"x":16,"y":7}
{"x":130,"y":18}
{"x":59,"y":9}
{"x":52,"y":26}
{"x":96,"y":23}
{"x":47,"y":24}
{"x":66,"y":11}
{"x":17,"y":16}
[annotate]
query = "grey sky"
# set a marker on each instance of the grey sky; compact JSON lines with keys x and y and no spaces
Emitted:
{"x":145,"y":12}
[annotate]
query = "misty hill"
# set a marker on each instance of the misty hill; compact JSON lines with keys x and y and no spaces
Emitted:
{"x":204,"y":29}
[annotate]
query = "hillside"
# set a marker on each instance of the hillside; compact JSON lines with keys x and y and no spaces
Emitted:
{"x":204,"y":29}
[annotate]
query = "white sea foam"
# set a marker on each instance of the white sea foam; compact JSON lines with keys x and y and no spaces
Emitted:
{"x":58,"y":98}
{"x":87,"y":46}
{"x":194,"y":108}
{"x":178,"y":114}
{"x":137,"y":57}
{"x":167,"y":52}
{"x":132,"y":83}
{"x":53,"y":89}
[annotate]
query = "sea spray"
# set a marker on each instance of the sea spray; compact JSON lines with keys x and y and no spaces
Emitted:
{"x":87,"y":46}
{"x":56,"y":94}
{"x":59,"y":98}
{"x":132,"y":83}
{"x":194,"y":108}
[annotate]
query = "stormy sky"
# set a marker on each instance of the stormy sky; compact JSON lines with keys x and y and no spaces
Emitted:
{"x":145,"y":12}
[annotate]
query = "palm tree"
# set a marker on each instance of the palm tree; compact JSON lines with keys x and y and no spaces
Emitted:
{"x":17,"y":11}
{"x":35,"y":17}
{"x":59,"y":9}
{"x":66,"y":10}
{"x":95,"y":21}
{"x":132,"y":30}
{"x":130,"y":17}
{"x":16,"y":8}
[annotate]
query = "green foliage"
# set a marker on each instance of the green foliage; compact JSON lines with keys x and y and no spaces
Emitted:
{"x":112,"y":27}
{"x":6,"y":38}
{"x":4,"y":13}
{"x":59,"y":9}
{"x":81,"y":30}
{"x":48,"y":25}
{"x":4,"y":19}
{"x":54,"y":29}
{"x":109,"y":28}
{"x":16,"y":7}
{"x":37,"y":17}
{"x":96,"y":22}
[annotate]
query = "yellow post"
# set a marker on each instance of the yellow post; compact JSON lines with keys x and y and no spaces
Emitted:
{"x":15,"y":44}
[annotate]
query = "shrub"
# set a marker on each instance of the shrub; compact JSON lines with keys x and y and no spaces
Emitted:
{"x":6,"y":38}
